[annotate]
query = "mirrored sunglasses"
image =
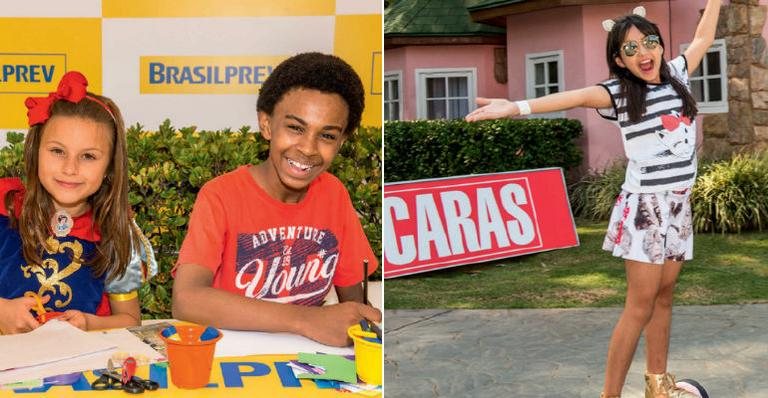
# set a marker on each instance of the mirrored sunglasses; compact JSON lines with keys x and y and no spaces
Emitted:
{"x":650,"y":42}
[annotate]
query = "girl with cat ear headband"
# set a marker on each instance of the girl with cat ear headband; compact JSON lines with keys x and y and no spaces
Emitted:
{"x":650,"y":228}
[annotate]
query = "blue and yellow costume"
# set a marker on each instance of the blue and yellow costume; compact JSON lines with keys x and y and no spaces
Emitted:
{"x":64,"y":273}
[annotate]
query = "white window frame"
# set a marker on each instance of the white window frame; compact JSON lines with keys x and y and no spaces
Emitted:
{"x":421,"y":86}
{"x":396,"y":75}
{"x":721,"y":106}
{"x":530,"y":77}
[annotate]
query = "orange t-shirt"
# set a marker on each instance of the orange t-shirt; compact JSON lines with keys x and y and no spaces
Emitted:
{"x":262,"y":248}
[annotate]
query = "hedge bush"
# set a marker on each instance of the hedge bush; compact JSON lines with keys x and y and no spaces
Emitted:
{"x":440,"y":148}
{"x":728,"y":196}
{"x":168,"y":166}
{"x":594,"y":195}
{"x":732,"y":195}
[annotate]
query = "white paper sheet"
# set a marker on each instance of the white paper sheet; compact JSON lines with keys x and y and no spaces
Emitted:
{"x":127,"y":343}
{"x":121,"y":340}
{"x":78,"y":364}
{"x":44,"y":345}
{"x":240,"y":343}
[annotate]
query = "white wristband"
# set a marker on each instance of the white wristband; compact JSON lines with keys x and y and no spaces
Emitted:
{"x":524,"y":107}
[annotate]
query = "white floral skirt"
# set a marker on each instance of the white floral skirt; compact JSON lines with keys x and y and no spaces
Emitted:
{"x":651,"y":227}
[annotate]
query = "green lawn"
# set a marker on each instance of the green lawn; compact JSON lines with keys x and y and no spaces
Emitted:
{"x":727,"y":269}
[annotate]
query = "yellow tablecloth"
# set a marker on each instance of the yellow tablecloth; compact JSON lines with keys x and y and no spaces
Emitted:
{"x":248,"y":376}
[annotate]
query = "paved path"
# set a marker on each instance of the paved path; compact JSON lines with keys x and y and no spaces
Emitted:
{"x":561,"y":352}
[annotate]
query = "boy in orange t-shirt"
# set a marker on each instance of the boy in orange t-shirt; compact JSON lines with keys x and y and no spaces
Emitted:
{"x":266,"y":242}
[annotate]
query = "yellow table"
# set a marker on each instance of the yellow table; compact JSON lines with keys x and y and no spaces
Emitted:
{"x":248,"y":376}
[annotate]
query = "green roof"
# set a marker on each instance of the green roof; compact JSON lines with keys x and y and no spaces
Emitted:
{"x":433,"y":18}
{"x":474,"y":5}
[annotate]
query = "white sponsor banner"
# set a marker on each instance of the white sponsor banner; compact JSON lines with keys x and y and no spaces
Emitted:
{"x":351,"y":7}
{"x":125,"y":41}
{"x":50,"y":8}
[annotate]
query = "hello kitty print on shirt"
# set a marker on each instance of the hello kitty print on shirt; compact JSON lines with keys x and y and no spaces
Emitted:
{"x":678,"y":134}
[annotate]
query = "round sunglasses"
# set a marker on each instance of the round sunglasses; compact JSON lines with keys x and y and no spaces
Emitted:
{"x":650,"y":42}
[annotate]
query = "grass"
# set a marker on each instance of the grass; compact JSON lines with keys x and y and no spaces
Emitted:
{"x":726,"y":269}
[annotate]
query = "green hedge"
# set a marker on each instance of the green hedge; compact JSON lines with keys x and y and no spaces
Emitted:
{"x":732,"y":195}
{"x":441,"y":148}
{"x":594,"y":195}
{"x":168,"y":167}
{"x":728,"y":196}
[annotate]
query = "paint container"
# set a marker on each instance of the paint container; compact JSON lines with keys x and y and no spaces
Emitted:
{"x":190,"y":351}
{"x":367,"y":355}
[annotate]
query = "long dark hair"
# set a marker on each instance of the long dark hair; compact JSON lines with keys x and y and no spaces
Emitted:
{"x":111,"y":211}
{"x":633,"y":88}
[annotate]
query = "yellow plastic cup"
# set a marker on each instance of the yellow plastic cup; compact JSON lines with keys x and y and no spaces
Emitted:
{"x":190,"y":358}
{"x":367,"y":356}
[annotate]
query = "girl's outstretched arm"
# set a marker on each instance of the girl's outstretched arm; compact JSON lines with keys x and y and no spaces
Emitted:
{"x":704,"y":36}
{"x":497,"y":108}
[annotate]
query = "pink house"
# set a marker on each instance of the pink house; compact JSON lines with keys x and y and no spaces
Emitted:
{"x":437,"y":60}
{"x":551,"y":46}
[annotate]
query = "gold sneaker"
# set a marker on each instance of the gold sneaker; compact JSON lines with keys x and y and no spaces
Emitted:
{"x":663,"y":386}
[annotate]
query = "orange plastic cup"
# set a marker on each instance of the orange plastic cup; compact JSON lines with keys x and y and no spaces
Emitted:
{"x":189,"y":357}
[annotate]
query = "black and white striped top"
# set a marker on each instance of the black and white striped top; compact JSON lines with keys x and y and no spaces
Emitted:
{"x":661,"y":147}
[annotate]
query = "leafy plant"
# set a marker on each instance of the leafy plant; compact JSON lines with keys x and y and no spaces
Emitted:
{"x":439,"y":148}
{"x":593,"y":196}
{"x":11,"y":156}
{"x":732,"y":195}
{"x":728,"y":196}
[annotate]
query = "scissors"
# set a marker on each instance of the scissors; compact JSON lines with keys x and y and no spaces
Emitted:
{"x":43,"y":316}
{"x":110,"y":379}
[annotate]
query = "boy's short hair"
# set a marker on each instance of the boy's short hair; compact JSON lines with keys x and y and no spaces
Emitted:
{"x":316,"y":71}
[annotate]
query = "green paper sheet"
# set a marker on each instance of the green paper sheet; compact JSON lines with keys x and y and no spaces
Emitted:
{"x":33,"y":383}
{"x":336,"y":367}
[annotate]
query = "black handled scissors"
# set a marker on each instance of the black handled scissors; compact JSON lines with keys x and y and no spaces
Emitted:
{"x":107,"y":382}
{"x":148,"y":385}
{"x":110,"y":379}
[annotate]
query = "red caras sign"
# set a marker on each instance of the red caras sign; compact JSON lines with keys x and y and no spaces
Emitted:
{"x":446,"y":222}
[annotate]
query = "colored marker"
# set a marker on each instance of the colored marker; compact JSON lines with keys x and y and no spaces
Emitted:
{"x":209,"y":333}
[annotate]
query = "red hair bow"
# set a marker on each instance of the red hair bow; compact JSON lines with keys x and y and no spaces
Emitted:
{"x":71,"y":88}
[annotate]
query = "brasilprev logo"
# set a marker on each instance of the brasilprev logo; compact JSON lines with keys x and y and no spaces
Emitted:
{"x":205,"y":74}
{"x":22,"y":73}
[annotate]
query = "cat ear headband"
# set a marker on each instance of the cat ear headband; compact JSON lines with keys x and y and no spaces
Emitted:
{"x":608,"y":23}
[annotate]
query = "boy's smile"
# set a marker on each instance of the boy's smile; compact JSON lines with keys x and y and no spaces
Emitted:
{"x":305,"y":132}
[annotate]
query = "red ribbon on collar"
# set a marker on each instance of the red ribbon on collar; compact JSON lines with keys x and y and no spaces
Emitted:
{"x":72,"y":88}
